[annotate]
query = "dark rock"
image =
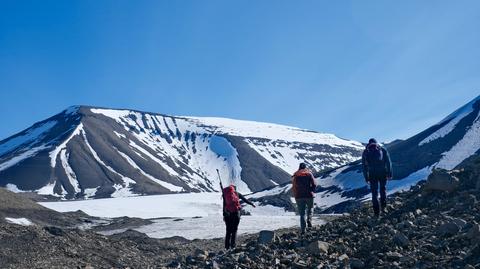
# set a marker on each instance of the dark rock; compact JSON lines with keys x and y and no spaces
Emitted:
{"x":441,"y":180}
{"x":474,"y":232}
{"x":356,"y":263}
{"x":266,"y":237}
{"x":448,"y":229}
{"x":317,"y":247}
{"x":459,"y":222}
{"x":401,"y":240}
{"x":54,"y":231}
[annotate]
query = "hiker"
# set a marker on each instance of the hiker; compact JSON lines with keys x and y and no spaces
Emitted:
{"x":377,"y":169}
{"x":303,"y":187}
{"x":231,"y":213}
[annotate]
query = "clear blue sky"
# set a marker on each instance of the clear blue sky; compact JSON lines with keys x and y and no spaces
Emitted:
{"x":386,"y":69}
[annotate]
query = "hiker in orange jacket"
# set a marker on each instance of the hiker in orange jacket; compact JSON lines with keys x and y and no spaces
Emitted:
{"x":303,"y":187}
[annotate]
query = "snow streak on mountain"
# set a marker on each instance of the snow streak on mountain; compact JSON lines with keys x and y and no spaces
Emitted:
{"x":87,"y":152}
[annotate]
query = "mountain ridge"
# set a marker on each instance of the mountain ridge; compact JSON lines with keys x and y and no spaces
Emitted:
{"x":135,"y":152}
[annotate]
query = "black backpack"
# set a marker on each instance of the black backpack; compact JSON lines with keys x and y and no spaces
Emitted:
{"x":374,"y":155}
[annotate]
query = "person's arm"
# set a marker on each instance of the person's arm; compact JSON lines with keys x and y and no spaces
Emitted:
{"x":365,"y":167}
{"x":245,"y":199}
{"x":388,"y":163}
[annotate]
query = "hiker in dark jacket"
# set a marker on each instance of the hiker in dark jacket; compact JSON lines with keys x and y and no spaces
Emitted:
{"x":377,"y":169}
{"x":231,"y":213}
{"x":303,"y":187}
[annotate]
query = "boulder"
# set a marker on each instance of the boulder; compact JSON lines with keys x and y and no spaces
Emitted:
{"x":393,"y":256}
{"x":401,"y":240}
{"x":266,"y":237}
{"x":356,"y":264}
{"x":474,"y":232}
{"x":344,"y":260}
{"x":460,"y":222}
{"x":448,"y":229}
{"x":441,"y":180}
{"x":317,"y":247}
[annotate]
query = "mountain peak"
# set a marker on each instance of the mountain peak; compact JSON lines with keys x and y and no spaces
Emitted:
{"x":87,"y":151}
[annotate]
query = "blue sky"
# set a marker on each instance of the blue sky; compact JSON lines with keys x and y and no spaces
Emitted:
{"x":386,"y":69}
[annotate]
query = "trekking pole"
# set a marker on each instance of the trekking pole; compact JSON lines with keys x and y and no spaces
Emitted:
{"x":221,"y":185}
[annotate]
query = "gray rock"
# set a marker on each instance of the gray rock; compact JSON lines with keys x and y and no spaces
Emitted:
{"x":300,"y":264}
{"x":393,"y":256}
{"x":317,"y":247}
{"x":474,"y":232}
{"x":441,"y":180}
{"x":266,"y":237}
{"x":460,"y":222}
{"x":401,"y":240}
{"x":448,"y":229}
{"x":344,"y":260}
{"x":356,"y":263}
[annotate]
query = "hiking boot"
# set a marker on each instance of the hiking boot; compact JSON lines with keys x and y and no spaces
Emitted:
{"x":309,"y":224}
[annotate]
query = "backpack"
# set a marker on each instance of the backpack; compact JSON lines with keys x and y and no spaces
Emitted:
{"x":232,"y":202}
{"x":303,"y":184}
{"x":374,"y":155}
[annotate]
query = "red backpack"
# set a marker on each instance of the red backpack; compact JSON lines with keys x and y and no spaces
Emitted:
{"x":232,"y":203}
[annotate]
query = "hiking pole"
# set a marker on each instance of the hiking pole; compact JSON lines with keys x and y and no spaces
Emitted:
{"x":221,"y":185}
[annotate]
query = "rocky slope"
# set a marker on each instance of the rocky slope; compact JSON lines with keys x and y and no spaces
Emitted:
{"x":88,"y":152}
{"x":433,"y":225}
{"x":15,"y":207}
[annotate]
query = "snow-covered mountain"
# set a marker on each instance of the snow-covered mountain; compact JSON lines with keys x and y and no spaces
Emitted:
{"x":88,"y":152}
{"x":445,"y":145}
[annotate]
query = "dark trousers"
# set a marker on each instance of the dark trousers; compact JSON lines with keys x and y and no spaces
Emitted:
{"x":305,"y":204}
{"x":374,"y":184}
{"x":231,"y":221}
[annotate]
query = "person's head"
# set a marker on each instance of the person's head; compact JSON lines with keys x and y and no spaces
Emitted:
{"x":372,"y":141}
{"x":302,"y":166}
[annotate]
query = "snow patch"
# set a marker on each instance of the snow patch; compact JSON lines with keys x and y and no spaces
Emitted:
{"x":164,"y":184}
{"x":394,"y":186}
{"x":54,"y":153}
{"x":33,"y":134}
{"x":90,"y":192}
{"x":224,"y":148}
{"x":13,"y":188}
{"x":47,"y":190}
{"x":270,"y":131}
{"x":22,"y":156}
{"x":453,"y":119}
{"x":465,"y":148}
{"x":71,"y":110}
{"x":327,"y":199}
{"x":19,"y":221}
{"x":271,"y":192}
{"x":72,"y":177}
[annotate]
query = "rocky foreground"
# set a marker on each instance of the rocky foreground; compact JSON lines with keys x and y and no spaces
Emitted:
{"x":434,"y":225}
